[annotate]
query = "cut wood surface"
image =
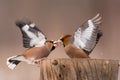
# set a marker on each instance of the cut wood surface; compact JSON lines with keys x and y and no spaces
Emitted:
{"x":79,"y":69}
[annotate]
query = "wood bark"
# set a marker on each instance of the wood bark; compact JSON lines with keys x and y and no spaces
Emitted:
{"x":79,"y":69}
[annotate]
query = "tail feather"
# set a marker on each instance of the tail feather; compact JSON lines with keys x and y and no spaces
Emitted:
{"x":13,"y":61}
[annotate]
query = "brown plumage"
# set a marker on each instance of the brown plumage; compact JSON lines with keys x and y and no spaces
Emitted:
{"x":36,"y":53}
{"x":84,"y":40}
{"x":37,"y":44}
{"x":71,"y":50}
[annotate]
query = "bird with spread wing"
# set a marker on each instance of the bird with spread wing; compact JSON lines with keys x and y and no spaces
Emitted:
{"x":84,"y":40}
{"x":36,"y":42}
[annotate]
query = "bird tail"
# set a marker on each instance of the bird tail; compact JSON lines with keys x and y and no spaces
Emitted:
{"x":13,"y":61}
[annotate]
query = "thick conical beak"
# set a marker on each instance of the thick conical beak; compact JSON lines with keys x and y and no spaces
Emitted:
{"x":58,"y":43}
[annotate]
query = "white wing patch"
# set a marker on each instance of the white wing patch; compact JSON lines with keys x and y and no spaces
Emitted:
{"x":86,"y":35}
{"x":35,"y":40}
{"x":32,"y":25}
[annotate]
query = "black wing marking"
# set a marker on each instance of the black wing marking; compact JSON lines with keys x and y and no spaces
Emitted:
{"x":32,"y":36}
{"x":87,"y":35}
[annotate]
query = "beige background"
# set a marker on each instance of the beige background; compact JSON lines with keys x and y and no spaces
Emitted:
{"x":55,"y":17}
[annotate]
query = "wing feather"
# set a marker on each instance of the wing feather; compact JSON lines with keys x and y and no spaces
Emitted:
{"x":87,"y":34}
{"x":32,"y":36}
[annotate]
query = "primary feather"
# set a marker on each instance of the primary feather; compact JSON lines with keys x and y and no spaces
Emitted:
{"x":88,"y":34}
{"x":84,"y":40}
{"x":32,"y":36}
{"x":36,"y":42}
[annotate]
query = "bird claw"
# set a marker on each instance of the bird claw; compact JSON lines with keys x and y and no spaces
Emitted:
{"x":39,"y":60}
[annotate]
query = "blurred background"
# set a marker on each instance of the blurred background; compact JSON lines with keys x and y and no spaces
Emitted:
{"x":54,"y":18}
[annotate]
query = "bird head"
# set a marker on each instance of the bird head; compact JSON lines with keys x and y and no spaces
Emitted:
{"x":50,"y":44}
{"x":66,"y":39}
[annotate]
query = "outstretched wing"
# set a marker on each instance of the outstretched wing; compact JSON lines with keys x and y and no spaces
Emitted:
{"x":32,"y":36}
{"x":88,"y":34}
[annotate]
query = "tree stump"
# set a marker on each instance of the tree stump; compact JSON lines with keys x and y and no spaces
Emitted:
{"x":79,"y":69}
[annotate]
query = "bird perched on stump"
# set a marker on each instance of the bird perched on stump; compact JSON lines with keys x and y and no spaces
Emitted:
{"x":36,"y":42}
{"x":84,"y":40}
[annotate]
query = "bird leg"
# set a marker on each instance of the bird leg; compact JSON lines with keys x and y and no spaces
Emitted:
{"x":39,"y":60}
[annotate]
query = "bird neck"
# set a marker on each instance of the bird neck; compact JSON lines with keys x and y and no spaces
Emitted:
{"x":53,"y":47}
{"x":66,"y":41}
{"x":50,"y":47}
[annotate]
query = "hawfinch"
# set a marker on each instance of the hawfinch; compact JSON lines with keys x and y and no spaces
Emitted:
{"x":36,"y":42}
{"x":84,"y":40}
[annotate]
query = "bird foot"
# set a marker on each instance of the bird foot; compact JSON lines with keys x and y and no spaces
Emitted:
{"x":39,"y":60}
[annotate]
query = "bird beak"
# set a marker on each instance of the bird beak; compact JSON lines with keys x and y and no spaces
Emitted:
{"x":58,"y":43}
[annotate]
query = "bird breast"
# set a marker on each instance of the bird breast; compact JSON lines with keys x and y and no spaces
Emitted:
{"x":75,"y":52}
{"x":36,"y":52}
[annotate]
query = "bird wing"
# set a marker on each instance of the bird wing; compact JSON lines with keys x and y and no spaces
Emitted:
{"x":32,"y":36}
{"x":86,"y":35}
